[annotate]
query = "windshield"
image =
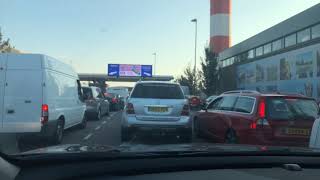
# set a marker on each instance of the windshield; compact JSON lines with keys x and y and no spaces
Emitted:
{"x":157,"y":91}
{"x":282,"y":108}
{"x":158,"y":75}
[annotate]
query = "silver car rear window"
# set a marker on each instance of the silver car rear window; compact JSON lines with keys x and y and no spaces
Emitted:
{"x":157,"y":91}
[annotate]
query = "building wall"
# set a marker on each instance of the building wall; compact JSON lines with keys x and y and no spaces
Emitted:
{"x":228,"y":81}
{"x":295,"y":71}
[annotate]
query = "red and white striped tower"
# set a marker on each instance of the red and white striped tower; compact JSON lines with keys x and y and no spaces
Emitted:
{"x":220,"y":25}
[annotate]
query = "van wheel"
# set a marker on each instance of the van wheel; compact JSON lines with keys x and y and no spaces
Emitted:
{"x":58,"y":134}
{"x":231,"y":137}
{"x":83,"y":123}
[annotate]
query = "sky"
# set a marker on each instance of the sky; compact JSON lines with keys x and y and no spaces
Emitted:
{"x":89,"y":34}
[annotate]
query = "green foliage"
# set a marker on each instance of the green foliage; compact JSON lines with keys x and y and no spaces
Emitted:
{"x":210,"y":73}
{"x":190,"y":79}
{"x":5,"y":45}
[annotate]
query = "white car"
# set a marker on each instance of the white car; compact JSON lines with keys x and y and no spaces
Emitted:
{"x":39,"y":96}
{"x":315,"y":135}
{"x":157,"y":107}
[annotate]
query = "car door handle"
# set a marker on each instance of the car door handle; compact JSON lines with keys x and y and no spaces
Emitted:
{"x":10,"y":111}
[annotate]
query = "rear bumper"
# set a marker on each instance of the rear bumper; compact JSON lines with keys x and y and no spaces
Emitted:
{"x":131,"y":122}
{"x":47,"y":130}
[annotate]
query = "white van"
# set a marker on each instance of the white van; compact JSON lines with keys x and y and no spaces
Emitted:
{"x":39,"y":95}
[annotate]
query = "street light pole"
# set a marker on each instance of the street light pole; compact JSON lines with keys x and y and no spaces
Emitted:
{"x":154,"y":63}
{"x":195,"y":45}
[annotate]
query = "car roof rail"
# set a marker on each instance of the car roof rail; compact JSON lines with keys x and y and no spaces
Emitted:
{"x":289,"y":93}
{"x":242,"y":92}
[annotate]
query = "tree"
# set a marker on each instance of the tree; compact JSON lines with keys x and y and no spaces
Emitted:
{"x":190,"y":80}
{"x":5,"y":45}
{"x":210,"y":73}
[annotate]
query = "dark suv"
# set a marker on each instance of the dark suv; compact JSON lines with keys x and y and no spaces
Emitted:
{"x":250,"y":117}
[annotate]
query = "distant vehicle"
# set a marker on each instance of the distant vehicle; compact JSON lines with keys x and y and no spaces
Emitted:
{"x":157,"y":107}
{"x":39,"y":96}
{"x":122,"y":91}
{"x":115,"y":101}
{"x":97,"y":105}
{"x":249,"y":117}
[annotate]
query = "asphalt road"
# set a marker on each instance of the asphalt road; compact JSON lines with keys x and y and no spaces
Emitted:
{"x":106,"y":131}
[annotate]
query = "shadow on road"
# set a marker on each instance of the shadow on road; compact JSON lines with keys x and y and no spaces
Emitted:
{"x":155,"y":139}
{"x":27,"y":144}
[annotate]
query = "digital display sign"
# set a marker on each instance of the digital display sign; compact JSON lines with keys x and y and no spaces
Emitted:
{"x":129,"y":70}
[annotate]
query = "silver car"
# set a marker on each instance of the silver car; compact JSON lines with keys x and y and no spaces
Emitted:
{"x":157,"y":107}
{"x":97,"y":104}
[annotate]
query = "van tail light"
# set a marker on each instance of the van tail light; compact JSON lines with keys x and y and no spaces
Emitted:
{"x":44,"y":114}
{"x":185,"y":110}
{"x":262,"y":121}
{"x":130,"y":108}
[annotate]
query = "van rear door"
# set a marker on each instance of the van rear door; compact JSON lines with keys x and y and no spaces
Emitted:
{"x":3,"y":58}
{"x":23,"y":94}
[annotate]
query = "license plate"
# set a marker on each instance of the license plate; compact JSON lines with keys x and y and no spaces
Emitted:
{"x":157,"y":109}
{"x":298,"y":131}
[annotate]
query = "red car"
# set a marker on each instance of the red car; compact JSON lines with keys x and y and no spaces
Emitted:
{"x":249,"y":117}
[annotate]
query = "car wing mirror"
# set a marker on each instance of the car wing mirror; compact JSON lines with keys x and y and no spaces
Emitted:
{"x":205,"y":108}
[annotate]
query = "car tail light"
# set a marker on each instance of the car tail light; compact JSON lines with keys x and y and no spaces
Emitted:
{"x":114,"y":100}
{"x":130,"y":108}
{"x":44,"y":113}
{"x":262,"y":109}
{"x":262,"y":121}
{"x":185,"y":110}
{"x":253,"y":125}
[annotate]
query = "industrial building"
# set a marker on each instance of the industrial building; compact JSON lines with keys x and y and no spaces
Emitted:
{"x":283,"y":58}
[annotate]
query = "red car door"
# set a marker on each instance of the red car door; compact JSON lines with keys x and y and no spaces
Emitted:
{"x":206,"y":117}
{"x":221,"y":119}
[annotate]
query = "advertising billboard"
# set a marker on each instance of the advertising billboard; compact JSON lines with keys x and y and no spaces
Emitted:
{"x":129,"y":70}
{"x":296,"y":71}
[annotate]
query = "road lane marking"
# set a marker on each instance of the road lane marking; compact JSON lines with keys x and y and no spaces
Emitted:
{"x":98,"y":127}
{"x":115,"y":114}
{"x":103,"y":122}
{"x":87,"y":137}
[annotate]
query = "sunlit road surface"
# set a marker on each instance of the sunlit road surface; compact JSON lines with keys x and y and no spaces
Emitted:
{"x":106,"y":131}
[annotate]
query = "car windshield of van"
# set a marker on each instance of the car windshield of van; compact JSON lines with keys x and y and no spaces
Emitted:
{"x":123,"y":77}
